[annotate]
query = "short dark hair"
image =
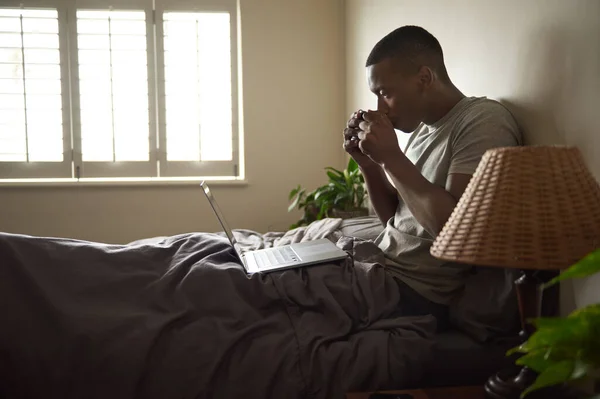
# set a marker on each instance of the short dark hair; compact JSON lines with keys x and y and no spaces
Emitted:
{"x":411,"y":43}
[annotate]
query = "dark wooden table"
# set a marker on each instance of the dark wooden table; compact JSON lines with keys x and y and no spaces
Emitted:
{"x":475,"y":392}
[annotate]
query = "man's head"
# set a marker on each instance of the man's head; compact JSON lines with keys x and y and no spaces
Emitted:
{"x":405,"y":69}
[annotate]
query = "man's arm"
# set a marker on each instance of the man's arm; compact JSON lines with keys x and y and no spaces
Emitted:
{"x":431,"y":205}
{"x":382,"y":194}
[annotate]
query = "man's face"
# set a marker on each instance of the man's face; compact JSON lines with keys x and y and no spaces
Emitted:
{"x":400,"y":95}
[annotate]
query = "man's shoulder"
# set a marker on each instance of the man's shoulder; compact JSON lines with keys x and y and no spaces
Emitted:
{"x":486,"y":108}
{"x":487,"y":117}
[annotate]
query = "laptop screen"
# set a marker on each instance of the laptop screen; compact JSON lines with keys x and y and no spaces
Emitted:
{"x":217,"y":210}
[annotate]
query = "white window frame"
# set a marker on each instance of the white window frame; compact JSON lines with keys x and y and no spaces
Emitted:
{"x":157,"y":168}
{"x":109,"y":169}
{"x":203,"y":168}
{"x":37,"y":170}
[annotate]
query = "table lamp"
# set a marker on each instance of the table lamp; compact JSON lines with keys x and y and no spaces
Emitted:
{"x":528,"y":208}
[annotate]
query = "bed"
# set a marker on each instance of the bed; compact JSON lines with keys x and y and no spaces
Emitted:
{"x":177,"y":317}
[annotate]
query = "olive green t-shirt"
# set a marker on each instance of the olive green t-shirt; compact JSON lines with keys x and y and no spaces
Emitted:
{"x":454,"y":144}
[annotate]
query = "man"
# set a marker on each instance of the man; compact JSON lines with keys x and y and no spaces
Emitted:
{"x":414,"y":192}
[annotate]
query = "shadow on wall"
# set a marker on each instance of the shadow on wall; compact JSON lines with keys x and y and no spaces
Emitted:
{"x":543,"y":93}
{"x":551,"y":106}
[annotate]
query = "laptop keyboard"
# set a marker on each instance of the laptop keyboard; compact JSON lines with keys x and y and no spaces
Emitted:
{"x":275,"y":256}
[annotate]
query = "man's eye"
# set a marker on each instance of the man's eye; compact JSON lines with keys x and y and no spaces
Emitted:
{"x":384,"y":94}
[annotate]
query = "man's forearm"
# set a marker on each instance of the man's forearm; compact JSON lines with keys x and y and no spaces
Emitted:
{"x":430,"y":204}
{"x":382,"y":194}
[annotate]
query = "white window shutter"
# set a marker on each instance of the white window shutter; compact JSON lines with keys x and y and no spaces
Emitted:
{"x":197,"y":88}
{"x":114,"y":84}
{"x":135,"y":89}
{"x":34,"y":112}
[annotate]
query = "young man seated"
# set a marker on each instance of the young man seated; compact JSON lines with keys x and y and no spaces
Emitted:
{"x":414,"y":191}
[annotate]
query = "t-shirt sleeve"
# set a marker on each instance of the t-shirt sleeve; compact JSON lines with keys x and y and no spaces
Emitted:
{"x":484,"y":127}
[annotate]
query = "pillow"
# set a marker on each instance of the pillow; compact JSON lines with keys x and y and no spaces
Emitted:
{"x":366,"y":227}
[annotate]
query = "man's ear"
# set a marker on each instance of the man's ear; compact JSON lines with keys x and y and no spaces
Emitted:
{"x":425,"y":76}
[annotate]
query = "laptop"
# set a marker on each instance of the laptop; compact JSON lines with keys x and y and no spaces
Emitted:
{"x":278,"y":258}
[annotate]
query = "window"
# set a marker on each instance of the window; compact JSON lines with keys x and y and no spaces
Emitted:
{"x":206,"y":131}
{"x":113,"y":85}
{"x":138,"y":92}
{"x":31,"y":102}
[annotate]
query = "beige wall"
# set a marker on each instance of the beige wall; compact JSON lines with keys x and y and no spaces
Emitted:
{"x":540,"y":57}
{"x":293,"y":55}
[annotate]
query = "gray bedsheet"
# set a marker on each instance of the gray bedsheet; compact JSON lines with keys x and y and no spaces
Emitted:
{"x":177,"y":317}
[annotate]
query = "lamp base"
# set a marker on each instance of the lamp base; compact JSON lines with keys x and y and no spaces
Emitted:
{"x":510,"y":384}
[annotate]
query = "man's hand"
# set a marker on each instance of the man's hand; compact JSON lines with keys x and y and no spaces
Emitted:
{"x":382,"y":194}
{"x":378,"y":138}
{"x":351,"y":140}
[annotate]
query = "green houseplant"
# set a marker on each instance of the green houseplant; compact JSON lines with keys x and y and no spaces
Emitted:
{"x":343,"y":196}
{"x":565,"y":349}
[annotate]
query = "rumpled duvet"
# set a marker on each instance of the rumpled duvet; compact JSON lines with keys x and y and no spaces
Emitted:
{"x":178,"y":317}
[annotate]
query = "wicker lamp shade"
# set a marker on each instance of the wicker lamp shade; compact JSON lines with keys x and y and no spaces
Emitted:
{"x":525,"y":207}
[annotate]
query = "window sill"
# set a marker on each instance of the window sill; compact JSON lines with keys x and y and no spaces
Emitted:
{"x":123,"y":182}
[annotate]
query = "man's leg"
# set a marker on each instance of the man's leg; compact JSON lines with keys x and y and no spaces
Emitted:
{"x":414,"y":304}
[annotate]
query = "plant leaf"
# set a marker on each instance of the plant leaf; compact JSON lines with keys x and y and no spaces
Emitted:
{"x":335,"y":172}
{"x":360,"y":196}
{"x":322,"y":211}
{"x":549,"y":322}
{"x":589,"y":312}
{"x":563,"y":349}
{"x":587,"y":266}
{"x":293,"y":193}
{"x":347,"y":176}
{"x":341,"y":200}
{"x":325,"y":196}
{"x":352,"y":165}
{"x":294,"y":204}
{"x":345,"y":191}
{"x":580,"y":370}
{"x":335,"y":178}
{"x":536,"y":360}
{"x":563,"y":332}
{"x":517,"y":349}
{"x":298,"y":200}
{"x":320,"y":191}
{"x":590,"y":319}
{"x":340,"y":187}
{"x":557,"y":373}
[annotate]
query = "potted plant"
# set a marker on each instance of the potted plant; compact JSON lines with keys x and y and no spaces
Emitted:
{"x":343,"y":196}
{"x":566,"y":350}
